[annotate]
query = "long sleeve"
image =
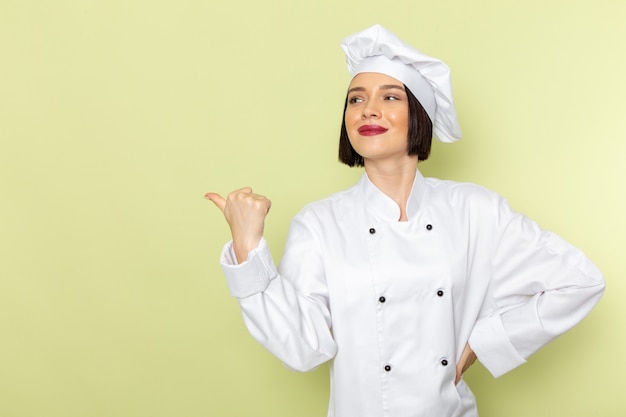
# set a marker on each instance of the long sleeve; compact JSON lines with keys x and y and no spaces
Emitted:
{"x":287,"y":313}
{"x":541,"y":286}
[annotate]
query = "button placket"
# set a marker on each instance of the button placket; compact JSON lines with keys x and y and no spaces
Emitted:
{"x":374,"y":238}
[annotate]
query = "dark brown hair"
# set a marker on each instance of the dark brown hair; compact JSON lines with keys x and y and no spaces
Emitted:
{"x":418,"y":143}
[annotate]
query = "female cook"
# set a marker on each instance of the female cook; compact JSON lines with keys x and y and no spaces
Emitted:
{"x":401,"y":281}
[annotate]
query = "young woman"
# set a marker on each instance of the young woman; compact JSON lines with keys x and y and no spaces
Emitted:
{"x":401,"y":281}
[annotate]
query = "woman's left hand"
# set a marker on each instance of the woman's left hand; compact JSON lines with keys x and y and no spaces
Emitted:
{"x":468,"y":357}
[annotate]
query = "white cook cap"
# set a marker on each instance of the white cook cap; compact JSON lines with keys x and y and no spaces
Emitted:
{"x":378,"y":50}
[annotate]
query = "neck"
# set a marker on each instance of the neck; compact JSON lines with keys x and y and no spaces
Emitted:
{"x":395,"y":180}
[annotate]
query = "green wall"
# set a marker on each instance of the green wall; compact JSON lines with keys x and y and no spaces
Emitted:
{"x":117,"y":116}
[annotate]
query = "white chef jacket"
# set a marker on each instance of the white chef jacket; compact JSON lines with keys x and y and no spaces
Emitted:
{"x":392,"y":304}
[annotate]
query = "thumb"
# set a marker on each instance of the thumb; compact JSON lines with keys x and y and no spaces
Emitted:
{"x":217,"y":199}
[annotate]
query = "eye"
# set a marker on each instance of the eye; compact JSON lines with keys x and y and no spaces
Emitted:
{"x":355,"y":99}
{"x":392,"y":98}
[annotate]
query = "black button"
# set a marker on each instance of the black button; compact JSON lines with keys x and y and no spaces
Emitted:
{"x":387,"y":368}
{"x":440,"y":293}
{"x":429,"y":227}
{"x":382,"y":299}
{"x":372,"y":231}
{"x":444,"y":362}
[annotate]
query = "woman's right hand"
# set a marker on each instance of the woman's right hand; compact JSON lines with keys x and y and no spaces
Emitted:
{"x":245,"y":213}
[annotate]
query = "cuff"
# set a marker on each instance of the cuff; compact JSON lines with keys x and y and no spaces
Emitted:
{"x":493,"y":347}
{"x":249,"y":277}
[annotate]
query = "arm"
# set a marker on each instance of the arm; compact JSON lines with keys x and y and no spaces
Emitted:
{"x":541,"y":286}
{"x":289,"y":315}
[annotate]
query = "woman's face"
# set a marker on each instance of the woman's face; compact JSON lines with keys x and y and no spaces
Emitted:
{"x":377,"y":117}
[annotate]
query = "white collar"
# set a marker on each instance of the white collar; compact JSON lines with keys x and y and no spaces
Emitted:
{"x":383,"y":208}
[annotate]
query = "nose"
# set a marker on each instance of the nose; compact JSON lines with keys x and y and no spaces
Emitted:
{"x":370,"y":110}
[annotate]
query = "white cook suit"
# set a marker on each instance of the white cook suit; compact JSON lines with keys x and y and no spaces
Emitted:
{"x":392,"y":304}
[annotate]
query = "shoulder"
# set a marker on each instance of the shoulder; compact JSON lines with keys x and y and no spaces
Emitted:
{"x":333,"y":205}
{"x":332,"y":210}
{"x":463,"y":194}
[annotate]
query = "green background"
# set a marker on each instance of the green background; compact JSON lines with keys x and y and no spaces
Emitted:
{"x":117,"y":116}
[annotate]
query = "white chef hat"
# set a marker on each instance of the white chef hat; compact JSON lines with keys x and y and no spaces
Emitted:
{"x":378,"y":50}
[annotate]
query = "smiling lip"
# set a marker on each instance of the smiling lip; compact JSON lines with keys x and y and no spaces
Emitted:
{"x":371,"y":130}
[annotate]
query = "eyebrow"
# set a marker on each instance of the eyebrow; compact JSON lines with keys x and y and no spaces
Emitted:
{"x":382,"y":87}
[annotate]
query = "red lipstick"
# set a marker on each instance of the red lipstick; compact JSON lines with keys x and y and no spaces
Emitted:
{"x":371,"y":130}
